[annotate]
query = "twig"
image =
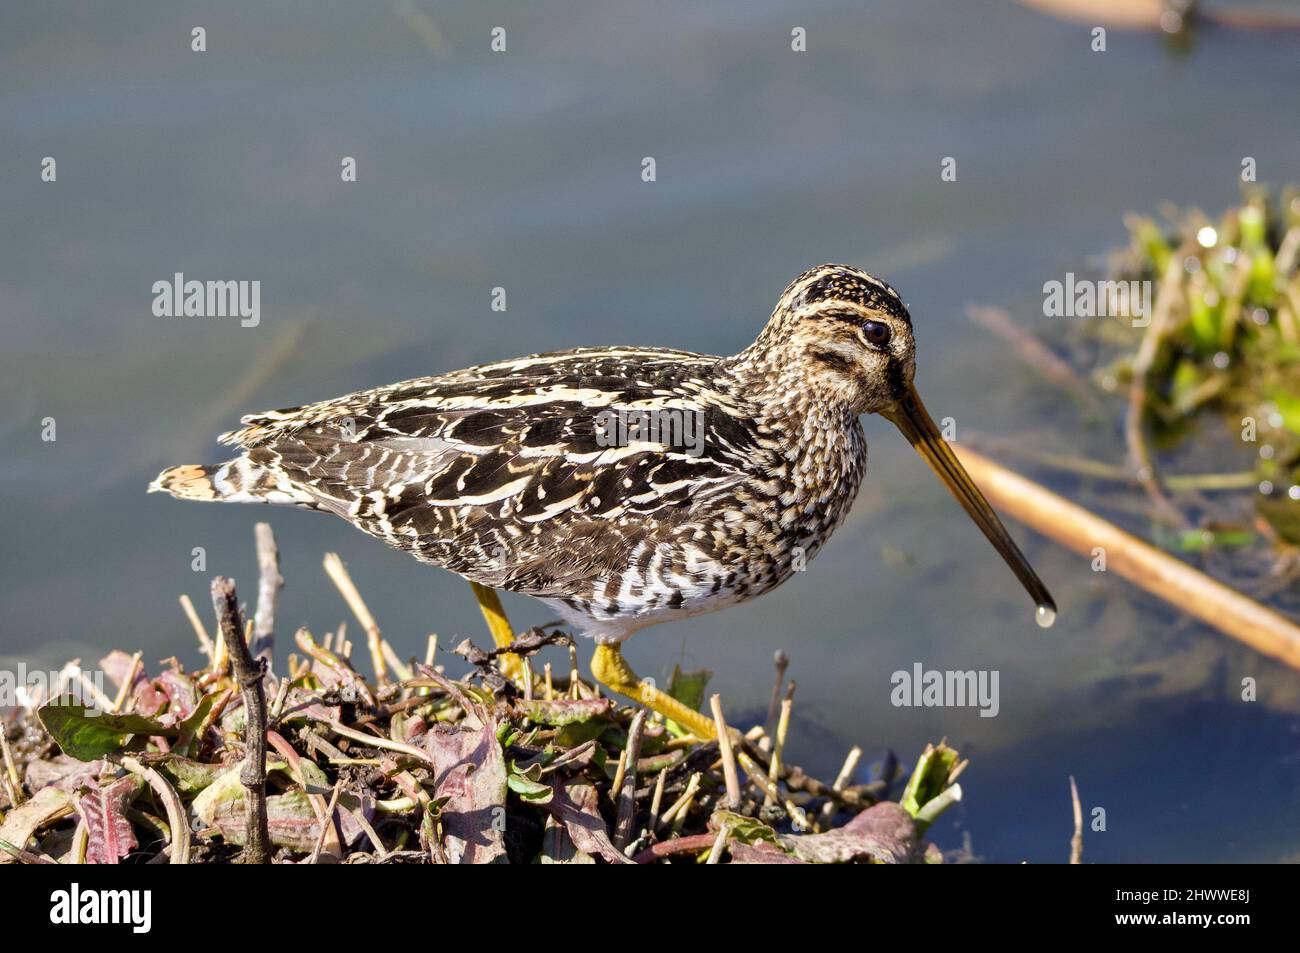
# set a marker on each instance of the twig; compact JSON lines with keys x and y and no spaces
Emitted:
{"x":625,"y":787}
{"x":80,"y":842}
{"x":338,"y":574}
{"x":257,"y":838}
{"x":281,"y":695}
{"x":782,"y":662}
{"x":620,"y":771}
{"x":728,"y":756}
{"x":205,"y":641}
{"x":1096,"y":469}
{"x":1190,"y":590}
{"x":128,"y":679}
{"x":770,"y":791}
{"x":269,"y":584}
{"x":719,"y":844}
{"x":682,"y":804}
{"x":684,"y":808}
{"x":25,"y":856}
{"x":375,"y":741}
{"x":11,"y":769}
{"x":1076,"y":842}
{"x":1127,"y":15}
{"x":400,"y":668}
{"x":782,"y":729}
{"x":102,"y":700}
{"x":846,"y":771}
{"x":1034,"y":353}
{"x":657,"y":799}
{"x":360,"y":818}
{"x":1144,"y":466}
{"x":327,"y":823}
{"x":179,"y":851}
{"x":691,"y":844}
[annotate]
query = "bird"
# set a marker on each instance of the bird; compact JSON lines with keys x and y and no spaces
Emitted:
{"x":621,"y":486}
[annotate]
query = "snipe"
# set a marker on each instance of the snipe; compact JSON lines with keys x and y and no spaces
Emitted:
{"x":540,"y":475}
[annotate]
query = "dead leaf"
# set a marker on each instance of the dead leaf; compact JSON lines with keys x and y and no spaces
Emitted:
{"x":760,"y":853}
{"x":884,"y":833}
{"x":470,"y":769}
{"x":146,"y":699}
{"x":110,"y":837}
{"x":558,"y":712}
{"x":558,"y":846}
{"x":575,"y":805}
{"x":64,"y":772}
{"x":23,"y":821}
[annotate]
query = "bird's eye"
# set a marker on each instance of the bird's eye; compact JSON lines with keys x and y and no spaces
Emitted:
{"x":876,"y":333}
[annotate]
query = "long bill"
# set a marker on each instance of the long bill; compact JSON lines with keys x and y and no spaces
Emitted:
{"x":910,"y":416}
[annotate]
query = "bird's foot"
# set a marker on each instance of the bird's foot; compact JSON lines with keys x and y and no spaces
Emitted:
{"x":610,"y":669}
{"x":512,"y":666}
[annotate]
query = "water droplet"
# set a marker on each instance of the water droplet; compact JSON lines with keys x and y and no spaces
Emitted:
{"x":1045,"y":616}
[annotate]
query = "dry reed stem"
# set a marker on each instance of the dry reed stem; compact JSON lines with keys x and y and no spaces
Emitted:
{"x":728,"y":756}
{"x":1076,"y":842}
{"x":269,"y":584}
{"x":338,"y":574}
{"x":1161,"y":574}
{"x":205,"y":641}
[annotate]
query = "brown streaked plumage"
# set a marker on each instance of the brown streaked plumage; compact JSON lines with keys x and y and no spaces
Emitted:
{"x":508,"y":473}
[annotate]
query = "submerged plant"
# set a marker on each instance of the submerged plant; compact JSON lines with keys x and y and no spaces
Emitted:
{"x":1219,"y":346}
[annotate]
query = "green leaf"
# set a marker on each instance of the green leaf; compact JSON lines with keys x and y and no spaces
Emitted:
{"x":564,"y":711}
{"x":187,"y":776}
{"x":198,"y":716}
{"x":87,"y":734}
{"x":1199,"y":540}
{"x":688,"y":688}
{"x":1288,"y":406}
{"x":746,"y":830}
{"x":580,"y":732}
{"x":228,"y":787}
{"x":527,"y":784}
{"x":929,"y":778}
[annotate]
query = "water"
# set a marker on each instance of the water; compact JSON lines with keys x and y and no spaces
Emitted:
{"x":522,"y":170}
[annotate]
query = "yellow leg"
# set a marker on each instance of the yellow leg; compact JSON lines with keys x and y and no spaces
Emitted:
{"x":611,"y":670}
{"x":502,"y":635}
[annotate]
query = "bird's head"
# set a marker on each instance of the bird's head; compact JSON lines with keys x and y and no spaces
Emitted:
{"x":847,"y":337}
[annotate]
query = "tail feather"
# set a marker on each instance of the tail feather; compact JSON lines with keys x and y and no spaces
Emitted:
{"x":235,"y":481}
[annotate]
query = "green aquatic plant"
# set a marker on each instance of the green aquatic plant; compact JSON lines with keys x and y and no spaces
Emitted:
{"x":1218,"y":341}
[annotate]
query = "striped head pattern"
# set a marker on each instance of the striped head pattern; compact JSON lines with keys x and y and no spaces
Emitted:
{"x":845,"y":334}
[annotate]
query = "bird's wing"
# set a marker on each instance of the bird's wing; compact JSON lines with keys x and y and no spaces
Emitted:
{"x":515,"y":473}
